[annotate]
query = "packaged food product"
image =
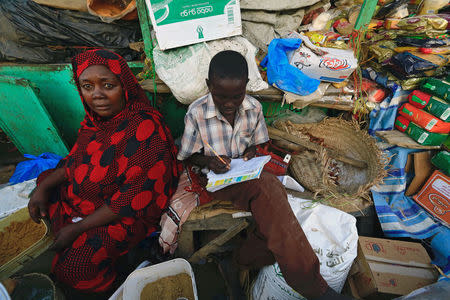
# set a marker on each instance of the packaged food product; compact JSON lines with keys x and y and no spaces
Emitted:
{"x":419,"y":134}
{"x":435,"y":106}
{"x":436,"y":87}
{"x":430,"y":7}
{"x":405,"y":63}
{"x":424,"y":42}
{"x":424,"y":119}
{"x":442,"y":161}
{"x":440,"y":50}
{"x":374,"y":92}
{"x":391,"y":23}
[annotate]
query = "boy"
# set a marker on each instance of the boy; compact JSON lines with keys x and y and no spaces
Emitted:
{"x":233,"y":124}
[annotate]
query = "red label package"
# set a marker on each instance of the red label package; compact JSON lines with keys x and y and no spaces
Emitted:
{"x":435,"y":196}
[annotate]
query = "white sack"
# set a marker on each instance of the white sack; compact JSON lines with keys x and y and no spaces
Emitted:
{"x":185,"y":69}
{"x":276,"y":5}
{"x":333,"y":236}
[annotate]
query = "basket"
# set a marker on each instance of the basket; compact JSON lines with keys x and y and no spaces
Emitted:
{"x":338,"y":184}
{"x":29,"y":254}
{"x":110,"y":11}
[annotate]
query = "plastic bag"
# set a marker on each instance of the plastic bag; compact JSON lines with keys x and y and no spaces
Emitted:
{"x":405,"y":64}
{"x":390,"y":8}
{"x":282,"y":74}
{"x":41,"y":34}
{"x":434,"y":291}
{"x":423,"y":43}
{"x":15,"y":197}
{"x":333,"y":236}
{"x":30,"y":169}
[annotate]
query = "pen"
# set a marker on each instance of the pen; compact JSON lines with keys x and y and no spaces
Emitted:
{"x":214,"y":151}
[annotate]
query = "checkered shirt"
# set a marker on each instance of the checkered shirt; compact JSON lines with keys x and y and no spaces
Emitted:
{"x":204,"y":122}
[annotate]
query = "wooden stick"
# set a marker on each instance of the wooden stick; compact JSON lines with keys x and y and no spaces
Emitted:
{"x":276,"y":133}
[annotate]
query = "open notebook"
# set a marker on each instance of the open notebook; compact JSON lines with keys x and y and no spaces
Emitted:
{"x":240,"y":171}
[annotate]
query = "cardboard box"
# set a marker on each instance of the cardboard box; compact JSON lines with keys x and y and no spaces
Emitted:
{"x":435,"y":196}
{"x":185,"y":22}
{"x":390,"y":267}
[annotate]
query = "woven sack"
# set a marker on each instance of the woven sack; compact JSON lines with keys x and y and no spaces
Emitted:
{"x":335,"y":183}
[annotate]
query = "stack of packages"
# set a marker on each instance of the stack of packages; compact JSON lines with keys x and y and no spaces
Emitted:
{"x":425,"y":118}
{"x":408,"y":41}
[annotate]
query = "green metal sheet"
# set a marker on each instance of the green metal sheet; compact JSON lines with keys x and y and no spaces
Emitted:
{"x":25,"y":120}
{"x":56,"y":89}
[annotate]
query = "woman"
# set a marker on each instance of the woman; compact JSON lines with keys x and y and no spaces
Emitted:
{"x":108,"y":194}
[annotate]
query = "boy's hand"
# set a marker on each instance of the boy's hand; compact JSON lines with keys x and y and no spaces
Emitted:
{"x":249,"y":153}
{"x":217,"y":166}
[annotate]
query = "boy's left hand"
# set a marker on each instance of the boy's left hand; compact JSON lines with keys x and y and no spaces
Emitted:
{"x":249,"y":153}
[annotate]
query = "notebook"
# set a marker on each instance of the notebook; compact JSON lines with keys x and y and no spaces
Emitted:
{"x":240,"y":171}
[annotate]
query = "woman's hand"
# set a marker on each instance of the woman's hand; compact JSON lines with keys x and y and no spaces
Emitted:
{"x":66,"y":236}
{"x":37,"y":206}
{"x":218,"y":166}
{"x":249,"y":153}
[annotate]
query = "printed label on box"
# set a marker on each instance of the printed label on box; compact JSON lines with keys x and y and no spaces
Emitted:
{"x":435,"y":196}
{"x":184,"y":22}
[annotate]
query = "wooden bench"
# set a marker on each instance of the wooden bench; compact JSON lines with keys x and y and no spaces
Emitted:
{"x":216,"y":215}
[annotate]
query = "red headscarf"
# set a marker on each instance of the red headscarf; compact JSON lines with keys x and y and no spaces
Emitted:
{"x":127,"y":161}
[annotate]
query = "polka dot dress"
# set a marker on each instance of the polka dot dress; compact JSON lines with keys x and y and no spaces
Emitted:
{"x":127,"y":162}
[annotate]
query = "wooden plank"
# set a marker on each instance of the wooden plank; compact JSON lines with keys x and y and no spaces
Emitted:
{"x":401,"y":139}
{"x":344,"y":107}
{"x":220,"y":222}
{"x":211,"y":209}
{"x":216,"y":243}
{"x":270,"y":94}
{"x":26,"y":121}
{"x":186,"y":244}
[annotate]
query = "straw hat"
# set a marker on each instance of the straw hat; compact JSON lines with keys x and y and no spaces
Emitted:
{"x":335,"y":183}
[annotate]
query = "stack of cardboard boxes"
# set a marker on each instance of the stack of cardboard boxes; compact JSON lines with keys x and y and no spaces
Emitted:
{"x":384,"y":268}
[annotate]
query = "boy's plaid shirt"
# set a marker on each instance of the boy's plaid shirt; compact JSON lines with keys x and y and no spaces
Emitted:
{"x":204,"y":122}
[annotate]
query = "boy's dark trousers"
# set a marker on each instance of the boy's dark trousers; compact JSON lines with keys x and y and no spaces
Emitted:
{"x":278,"y":236}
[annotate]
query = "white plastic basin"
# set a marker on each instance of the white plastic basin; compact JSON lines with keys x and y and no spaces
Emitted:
{"x":137,"y":280}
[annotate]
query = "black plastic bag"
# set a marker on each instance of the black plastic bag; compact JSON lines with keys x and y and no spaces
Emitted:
{"x":389,"y":9}
{"x":405,"y":64}
{"x":421,"y":43}
{"x":41,"y":34}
